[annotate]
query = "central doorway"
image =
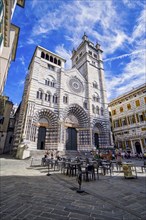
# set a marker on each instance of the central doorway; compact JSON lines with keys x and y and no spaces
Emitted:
{"x":41,"y":138}
{"x":71,"y":143}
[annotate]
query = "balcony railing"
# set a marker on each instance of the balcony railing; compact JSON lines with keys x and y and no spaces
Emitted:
{"x":130,"y":126}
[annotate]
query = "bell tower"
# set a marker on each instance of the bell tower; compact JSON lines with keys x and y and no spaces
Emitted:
{"x":87,"y":58}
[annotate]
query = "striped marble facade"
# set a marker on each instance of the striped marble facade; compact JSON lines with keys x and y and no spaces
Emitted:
{"x":65,"y":109}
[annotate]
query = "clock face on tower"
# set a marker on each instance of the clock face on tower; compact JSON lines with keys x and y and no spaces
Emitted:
{"x":75,"y":85}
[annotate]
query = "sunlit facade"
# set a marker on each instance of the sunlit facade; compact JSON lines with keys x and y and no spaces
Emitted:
{"x":9,"y":34}
{"x":65,"y":109}
{"x":128,"y":114}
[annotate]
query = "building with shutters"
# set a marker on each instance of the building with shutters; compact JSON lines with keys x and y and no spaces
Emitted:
{"x":65,"y":109}
{"x":9,"y":34}
{"x":128,"y":114}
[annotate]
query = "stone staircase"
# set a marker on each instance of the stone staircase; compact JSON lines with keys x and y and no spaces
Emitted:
{"x":37,"y":153}
{"x":40,"y":153}
{"x":73,"y":154}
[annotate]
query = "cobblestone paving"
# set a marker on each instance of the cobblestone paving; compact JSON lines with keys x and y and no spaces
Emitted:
{"x":28,"y":193}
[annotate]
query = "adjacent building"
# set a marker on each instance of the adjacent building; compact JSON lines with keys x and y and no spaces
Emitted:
{"x":5,"y":111}
{"x":128,"y":114}
{"x":65,"y":109}
{"x":9,"y":34}
{"x":8,"y":146}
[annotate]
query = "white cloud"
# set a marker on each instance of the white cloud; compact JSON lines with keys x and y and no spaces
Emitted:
{"x":34,"y":3}
{"x":125,"y":55}
{"x":134,"y":71}
{"x":140,"y":27}
{"x":77,"y":17}
{"x":133,"y":4}
{"x":22,"y":60}
{"x":105,"y":23}
{"x":21,"y":82}
{"x":133,"y":74}
{"x":65,"y":54}
{"x":31,"y":41}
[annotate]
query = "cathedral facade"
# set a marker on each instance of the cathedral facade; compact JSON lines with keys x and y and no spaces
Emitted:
{"x":63,"y":109}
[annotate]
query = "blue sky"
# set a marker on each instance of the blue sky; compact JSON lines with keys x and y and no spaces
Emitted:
{"x":58,"y":25}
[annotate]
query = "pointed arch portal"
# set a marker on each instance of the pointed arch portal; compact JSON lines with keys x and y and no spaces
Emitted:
{"x":47,"y":135}
{"x":77,"y":127}
{"x":100,"y":135}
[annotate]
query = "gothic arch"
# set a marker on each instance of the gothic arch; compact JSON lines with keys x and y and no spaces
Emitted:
{"x":98,"y":125}
{"x":47,"y":114}
{"x":79,"y":113}
{"x":102,"y":132}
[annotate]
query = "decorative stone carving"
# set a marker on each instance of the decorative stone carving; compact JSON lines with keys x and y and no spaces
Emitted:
{"x":76,"y":85}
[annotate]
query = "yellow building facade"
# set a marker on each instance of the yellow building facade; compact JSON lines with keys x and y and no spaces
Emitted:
{"x":128,"y":116}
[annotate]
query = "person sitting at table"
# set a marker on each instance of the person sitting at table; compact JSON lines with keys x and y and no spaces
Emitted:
{"x":44,"y":159}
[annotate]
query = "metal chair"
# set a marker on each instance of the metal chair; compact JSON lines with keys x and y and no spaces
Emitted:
{"x":88,"y":171}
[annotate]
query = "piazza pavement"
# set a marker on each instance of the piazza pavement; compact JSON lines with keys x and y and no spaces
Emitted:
{"x":26,"y":192}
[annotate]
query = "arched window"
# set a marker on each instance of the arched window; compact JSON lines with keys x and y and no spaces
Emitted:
{"x":85,"y":105}
{"x":93,"y":108}
{"x":39,"y":94}
{"x":95,"y":85}
{"x":51,"y":58}
{"x":55,"y":60}
{"x":48,"y":97}
{"x":101,"y":111}
{"x":50,"y":81}
{"x":47,"y":82}
{"x":59,"y":62}
{"x":96,"y":97}
{"x":47,"y":57}
{"x":55,"y":98}
{"x":42,"y":55}
{"x":65,"y":99}
{"x":53,"y":83}
{"x":97,"y":110}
